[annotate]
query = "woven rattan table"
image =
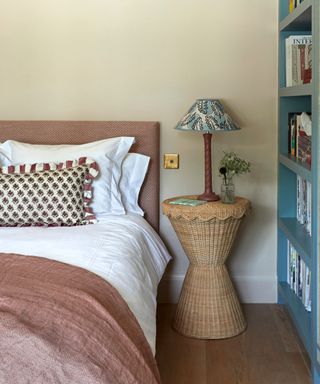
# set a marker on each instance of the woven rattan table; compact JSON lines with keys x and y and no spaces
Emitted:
{"x":208,"y":306}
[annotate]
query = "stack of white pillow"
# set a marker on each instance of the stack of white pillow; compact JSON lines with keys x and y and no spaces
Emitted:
{"x":115,"y":190}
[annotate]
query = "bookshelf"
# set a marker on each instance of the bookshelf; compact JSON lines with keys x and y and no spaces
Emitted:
{"x":304,"y":20}
{"x":298,"y":90}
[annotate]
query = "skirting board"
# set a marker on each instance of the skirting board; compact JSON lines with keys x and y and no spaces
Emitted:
{"x":251,"y":289}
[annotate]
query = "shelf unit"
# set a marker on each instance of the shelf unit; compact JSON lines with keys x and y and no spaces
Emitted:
{"x":303,"y":20}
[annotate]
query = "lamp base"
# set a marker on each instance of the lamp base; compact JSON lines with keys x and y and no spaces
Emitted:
{"x":211,"y":196}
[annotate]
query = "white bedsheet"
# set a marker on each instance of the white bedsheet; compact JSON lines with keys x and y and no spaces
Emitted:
{"x":124,"y":250}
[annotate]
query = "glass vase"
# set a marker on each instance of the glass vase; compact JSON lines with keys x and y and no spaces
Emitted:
{"x":227,"y":191}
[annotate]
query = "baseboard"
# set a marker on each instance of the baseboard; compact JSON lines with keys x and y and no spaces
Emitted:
{"x":251,"y":289}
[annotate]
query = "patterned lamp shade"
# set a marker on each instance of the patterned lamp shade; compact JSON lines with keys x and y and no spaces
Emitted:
{"x":207,"y":116}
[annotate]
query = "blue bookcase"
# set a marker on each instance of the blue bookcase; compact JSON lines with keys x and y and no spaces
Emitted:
{"x":304,"y":20}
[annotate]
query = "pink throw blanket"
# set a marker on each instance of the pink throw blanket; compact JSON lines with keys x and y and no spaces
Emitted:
{"x":63,"y":324}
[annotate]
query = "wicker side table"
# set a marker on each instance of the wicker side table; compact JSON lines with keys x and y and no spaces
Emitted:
{"x":208,"y":306}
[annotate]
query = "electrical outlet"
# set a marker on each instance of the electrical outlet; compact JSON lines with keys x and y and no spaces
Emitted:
{"x":171,"y":161}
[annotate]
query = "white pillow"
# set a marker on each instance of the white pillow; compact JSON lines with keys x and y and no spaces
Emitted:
{"x":134,"y":169}
{"x":108,"y":153}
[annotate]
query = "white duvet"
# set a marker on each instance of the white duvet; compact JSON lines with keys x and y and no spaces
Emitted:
{"x":124,"y":250}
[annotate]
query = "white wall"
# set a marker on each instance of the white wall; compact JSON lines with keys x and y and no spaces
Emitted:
{"x":149,"y":60}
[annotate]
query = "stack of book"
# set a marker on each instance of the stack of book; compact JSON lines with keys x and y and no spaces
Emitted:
{"x":293,"y":4}
{"x":304,"y":208}
{"x":300,"y":136}
{"x":298,"y":60}
{"x":299,"y":277}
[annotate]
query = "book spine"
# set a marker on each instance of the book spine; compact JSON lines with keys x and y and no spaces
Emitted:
{"x":299,"y":287}
{"x":308,"y":289}
{"x":288,"y":262}
{"x":308,"y":65}
{"x":293,"y":136}
{"x":297,"y":131}
{"x":299,"y":198}
{"x":291,"y":5}
{"x":304,"y":199}
{"x":288,"y":62}
{"x":295,"y":57}
{"x":302,"y":53}
{"x":304,"y":204}
{"x":309,"y":208}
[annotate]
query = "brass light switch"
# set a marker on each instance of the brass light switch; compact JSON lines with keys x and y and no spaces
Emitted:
{"x":171,"y":161}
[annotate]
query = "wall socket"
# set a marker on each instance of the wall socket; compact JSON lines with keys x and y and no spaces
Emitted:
{"x":171,"y":161}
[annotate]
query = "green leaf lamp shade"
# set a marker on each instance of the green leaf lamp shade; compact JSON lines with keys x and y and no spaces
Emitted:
{"x":207,"y":116}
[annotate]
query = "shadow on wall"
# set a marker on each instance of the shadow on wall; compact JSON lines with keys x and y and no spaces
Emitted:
{"x":245,"y":244}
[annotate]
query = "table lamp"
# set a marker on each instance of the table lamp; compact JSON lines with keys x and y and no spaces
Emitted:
{"x":207,"y":116}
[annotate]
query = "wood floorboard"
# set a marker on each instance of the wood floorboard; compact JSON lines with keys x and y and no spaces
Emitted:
{"x":284,"y":326}
{"x":268,"y":352}
{"x":180,"y":359}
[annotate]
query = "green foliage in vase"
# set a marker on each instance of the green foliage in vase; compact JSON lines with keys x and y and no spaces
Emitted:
{"x":231,"y":164}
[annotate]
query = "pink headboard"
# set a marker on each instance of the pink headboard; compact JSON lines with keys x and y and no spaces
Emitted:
{"x":147,"y":136}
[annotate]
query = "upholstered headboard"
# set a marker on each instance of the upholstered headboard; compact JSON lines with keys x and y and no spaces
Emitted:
{"x":78,"y":132}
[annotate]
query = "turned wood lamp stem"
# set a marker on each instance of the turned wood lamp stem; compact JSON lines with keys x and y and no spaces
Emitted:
{"x":208,"y":194}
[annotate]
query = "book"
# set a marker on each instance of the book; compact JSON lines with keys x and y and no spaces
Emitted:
{"x":190,"y":202}
{"x":308,"y":65}
{"x":300,"y":136}
{"x":304,"y":207}
{"x":292,"y":134}
{"x":303,"y":141}
{"x":298,"y":276}
{"x":298,"y":60}
{"x":291,"y":5}
{"x":308,"y":209}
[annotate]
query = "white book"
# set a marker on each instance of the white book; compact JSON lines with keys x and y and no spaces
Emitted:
{"x":308,"y":290}
{"x":304,"y":202}
{"x":292,"y":267}
{"x":303,"y":283}
{"x":298,"y":198}
{"x":288,"y":62}
{"x":300,"y":277}
{"x":294,"y":62}
{"x":288,"y":262}
{"x":309,"y":208}
{"x":294,"y":270}
{"x":301,"y":209}
{"x":295,"y":65}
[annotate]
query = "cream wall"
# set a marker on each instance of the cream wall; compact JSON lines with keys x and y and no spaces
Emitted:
{"x":149,"y":60}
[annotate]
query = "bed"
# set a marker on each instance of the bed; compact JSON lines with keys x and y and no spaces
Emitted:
{"x":78,"y":303}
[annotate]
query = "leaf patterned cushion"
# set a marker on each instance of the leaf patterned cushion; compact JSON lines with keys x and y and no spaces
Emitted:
{"x":47,"y":194}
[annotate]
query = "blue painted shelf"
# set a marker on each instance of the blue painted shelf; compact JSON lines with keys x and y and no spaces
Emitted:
{"x":303,"y":20}
{"x":297,"y":90}
{"x":316,"y":374}
{"x":317,"y":365}
{"x":300,"y":317}
{"x":297,"y":166}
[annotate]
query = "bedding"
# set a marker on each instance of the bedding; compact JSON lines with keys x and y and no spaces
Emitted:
{"x":122,"y":249}
{"x":113,"y":264}
{"x":133,"y":173}
{"x":109,"y":155}
{"x":47,"y":193}
{"x":63,"y":324}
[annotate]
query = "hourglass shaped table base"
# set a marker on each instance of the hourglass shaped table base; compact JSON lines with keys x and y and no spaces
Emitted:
{"x":208,"y":306}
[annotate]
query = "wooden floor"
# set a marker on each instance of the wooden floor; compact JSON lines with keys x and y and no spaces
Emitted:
{"x":268,"y":352}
